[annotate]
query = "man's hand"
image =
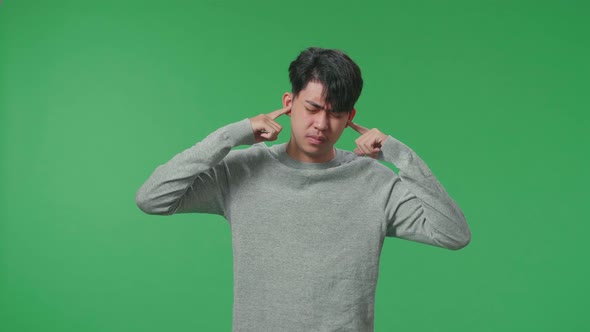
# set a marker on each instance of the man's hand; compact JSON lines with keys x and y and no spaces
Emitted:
{"x":265,"y":127}
{"x":370,"y":142}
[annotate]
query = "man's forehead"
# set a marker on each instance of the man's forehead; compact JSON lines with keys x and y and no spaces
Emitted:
{"x":313,"y":95}
{"x":313,"y":103}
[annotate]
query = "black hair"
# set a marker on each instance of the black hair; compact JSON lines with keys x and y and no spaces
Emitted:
{"x":339,"y":75}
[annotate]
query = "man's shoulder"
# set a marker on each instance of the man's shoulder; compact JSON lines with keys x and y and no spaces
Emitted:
{"x":363,"y":161}
{"x":254,"y":153}
{"x":367,"y":167}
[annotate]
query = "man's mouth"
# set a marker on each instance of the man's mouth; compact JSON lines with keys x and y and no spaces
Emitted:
{"x":314,"y":139}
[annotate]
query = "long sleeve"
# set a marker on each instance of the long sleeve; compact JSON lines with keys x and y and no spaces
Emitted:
{"x":194,"y":180}
{"x":421,"y":211}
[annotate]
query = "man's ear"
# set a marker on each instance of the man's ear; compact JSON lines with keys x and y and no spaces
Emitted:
{"x":288,"y":101}
{"x":351,"y":115}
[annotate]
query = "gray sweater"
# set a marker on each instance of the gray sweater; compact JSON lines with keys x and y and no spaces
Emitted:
{"x":306,"y":237}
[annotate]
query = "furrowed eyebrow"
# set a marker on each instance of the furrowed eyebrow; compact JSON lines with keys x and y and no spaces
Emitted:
{"x":314,"y":104}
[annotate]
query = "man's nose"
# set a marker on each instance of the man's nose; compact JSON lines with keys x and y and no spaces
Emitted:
{"x":321,"y":121}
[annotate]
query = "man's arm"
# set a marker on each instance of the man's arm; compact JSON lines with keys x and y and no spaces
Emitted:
{"x":191,"y":182}
{"x":195,"y":180}
{"x":421,"y":210}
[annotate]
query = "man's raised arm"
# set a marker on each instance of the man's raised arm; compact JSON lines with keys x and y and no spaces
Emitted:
{"x":419,"y":208}
{"x":195,"y":179}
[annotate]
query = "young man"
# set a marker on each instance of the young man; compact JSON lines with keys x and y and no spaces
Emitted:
{"x":308,"y":221}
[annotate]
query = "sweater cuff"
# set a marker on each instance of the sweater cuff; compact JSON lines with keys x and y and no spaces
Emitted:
{"x":396,"y":152}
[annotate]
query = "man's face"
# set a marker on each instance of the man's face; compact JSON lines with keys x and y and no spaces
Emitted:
{"x":314,"y":127}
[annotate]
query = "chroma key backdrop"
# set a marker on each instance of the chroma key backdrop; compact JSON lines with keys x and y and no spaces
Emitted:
{"x":94,"y":95}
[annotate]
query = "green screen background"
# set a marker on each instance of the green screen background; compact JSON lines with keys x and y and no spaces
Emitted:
{"x":94,"y":95}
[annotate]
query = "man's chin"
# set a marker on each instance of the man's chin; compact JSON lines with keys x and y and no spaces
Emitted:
{"x":313,"y":152}
{"x":316,"y":151}
{"x":318,"y":148}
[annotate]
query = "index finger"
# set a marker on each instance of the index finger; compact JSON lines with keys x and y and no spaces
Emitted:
{"x":358,"y":128}
{"x":275,"y":114}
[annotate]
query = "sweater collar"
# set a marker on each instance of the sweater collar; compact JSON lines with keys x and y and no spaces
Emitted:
{"x":280,"y":150}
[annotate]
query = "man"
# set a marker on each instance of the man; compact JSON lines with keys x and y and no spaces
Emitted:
{"x":308,"y":220}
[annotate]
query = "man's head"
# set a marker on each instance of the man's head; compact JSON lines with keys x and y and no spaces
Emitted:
{"x":325,"y":86}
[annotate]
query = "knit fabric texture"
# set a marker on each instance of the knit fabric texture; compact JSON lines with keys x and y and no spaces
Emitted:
{"x":306,"y":237}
